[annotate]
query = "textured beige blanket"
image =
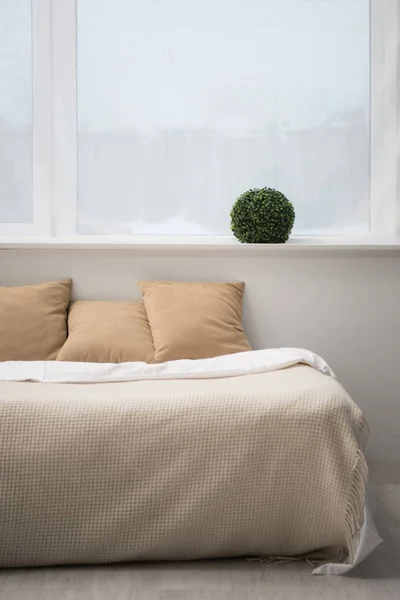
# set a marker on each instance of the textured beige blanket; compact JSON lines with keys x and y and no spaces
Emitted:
{"x":267,"y":464}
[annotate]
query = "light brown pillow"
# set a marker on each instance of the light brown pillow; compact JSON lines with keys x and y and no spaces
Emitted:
{"x":194,"y":320}
{"x":108,"y":332}
{"x":33,"y":320}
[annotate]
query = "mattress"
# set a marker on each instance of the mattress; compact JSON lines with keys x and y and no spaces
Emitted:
{"x":259,"y":455}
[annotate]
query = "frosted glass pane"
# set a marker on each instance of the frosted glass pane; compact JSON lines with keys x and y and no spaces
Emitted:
{"x":16,"y":204}
{"x":185,"y":104}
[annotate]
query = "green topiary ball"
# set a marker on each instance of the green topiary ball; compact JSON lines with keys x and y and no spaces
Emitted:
{"x":262,"y":216}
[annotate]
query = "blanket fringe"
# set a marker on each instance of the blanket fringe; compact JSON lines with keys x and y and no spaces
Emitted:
{"x":353,"y":516}
{"x":355,"y":503}
{"x":308,"y":558}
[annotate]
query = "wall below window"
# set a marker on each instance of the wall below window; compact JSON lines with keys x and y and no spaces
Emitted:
{"x":344,"y":306}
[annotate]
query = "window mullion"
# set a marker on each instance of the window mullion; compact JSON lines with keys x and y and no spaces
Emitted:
{"x":384,"y":117}
{"x":64,"y":110}
{"x":41,"y":121}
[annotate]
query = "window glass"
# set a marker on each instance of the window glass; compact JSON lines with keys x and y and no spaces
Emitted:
{"x":16,"y":203}
{"x":185,"y":104}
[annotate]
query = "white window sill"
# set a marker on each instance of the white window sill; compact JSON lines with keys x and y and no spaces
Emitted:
{"x":203,"y":244}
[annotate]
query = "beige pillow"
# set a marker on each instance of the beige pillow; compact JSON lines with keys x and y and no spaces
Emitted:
{"x":194,"y":320}
{"x":108,"y":332}
{"x":33,"y":320}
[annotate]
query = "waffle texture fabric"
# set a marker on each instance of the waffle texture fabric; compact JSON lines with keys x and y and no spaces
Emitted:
{"x":268,"y":464}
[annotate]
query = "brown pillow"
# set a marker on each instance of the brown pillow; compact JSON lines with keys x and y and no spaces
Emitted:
{"x":194,"y":320}
{"x":108,"y":332}
{"x":33,"y":320}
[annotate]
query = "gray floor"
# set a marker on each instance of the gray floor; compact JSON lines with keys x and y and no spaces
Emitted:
{"x":377,"y":578}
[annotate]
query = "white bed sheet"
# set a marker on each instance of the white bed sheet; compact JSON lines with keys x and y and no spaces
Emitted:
{"x":232,"y":365}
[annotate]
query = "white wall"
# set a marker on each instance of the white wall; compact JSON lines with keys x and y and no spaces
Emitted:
{"x":343,"y":305}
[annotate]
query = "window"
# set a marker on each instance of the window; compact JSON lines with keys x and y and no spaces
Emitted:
{"x":16,"y":204}
{"x":139,"y":117}
{"x":182,"y":106}
{"x":25,"y":118}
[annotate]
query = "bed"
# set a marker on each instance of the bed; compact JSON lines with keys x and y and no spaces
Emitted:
{"x":257,"y":454}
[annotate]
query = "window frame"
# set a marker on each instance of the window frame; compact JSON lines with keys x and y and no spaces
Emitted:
{"x":55,"y":135}
{"x":385,"y":113}
{"x":41,"y":127}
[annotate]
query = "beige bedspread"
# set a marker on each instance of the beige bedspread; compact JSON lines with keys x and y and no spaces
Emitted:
{"x":266,"y":464}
